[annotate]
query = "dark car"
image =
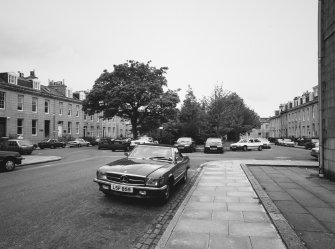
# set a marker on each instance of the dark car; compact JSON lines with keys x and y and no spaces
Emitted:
{"x":114,"y":144}
{"x":186,"y":144}
{"x":311,"y":144}
{"x":51,"y":143}
{"x":20,"y":145}
{"x":148,"y":171}
{"x":9,"y":159}
{"x":213,"y":145}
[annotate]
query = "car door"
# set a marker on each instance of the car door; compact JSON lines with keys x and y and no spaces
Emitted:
{"x":180,"y":165}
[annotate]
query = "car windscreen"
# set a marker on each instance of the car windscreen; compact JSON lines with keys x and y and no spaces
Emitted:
{"x":184,"y":140}
{"x":152,"y":152}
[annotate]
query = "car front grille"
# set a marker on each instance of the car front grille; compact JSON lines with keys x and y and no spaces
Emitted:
{"x":127,"y":179}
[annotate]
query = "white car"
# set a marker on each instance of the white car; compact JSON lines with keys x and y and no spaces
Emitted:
{"x":315,"y":152}
{"x":266,"y":143}
{"x":288,"y":142}
{"x":78,"y":143}
{"x":141,"y":140}
{"x":247,"y":144}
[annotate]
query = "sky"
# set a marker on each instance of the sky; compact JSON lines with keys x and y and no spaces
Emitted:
{"x":263,"y":50}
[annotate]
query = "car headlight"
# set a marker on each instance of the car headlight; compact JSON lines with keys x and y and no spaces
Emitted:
{"x":101,"y":175}
{"x":154,"y":182}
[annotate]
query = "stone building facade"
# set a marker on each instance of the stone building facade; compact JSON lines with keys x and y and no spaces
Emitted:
{"x":297,"y":118}
{"x":35,"y":112}
{"x":327,"y":86}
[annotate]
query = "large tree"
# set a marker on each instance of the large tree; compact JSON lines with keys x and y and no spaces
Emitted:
{"x":190,"y":114}
{"x":133,"y":91}
{"x":228,"y":114}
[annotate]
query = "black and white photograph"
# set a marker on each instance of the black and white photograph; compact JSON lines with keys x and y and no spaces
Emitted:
{"x":154,"y":124}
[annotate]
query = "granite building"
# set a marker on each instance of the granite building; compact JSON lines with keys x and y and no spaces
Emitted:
{"x":327,"y":86}
{"x":35,"y":112}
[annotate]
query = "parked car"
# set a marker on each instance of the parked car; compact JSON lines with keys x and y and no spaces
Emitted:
{"x":22,"y":146}
{"x":186,"y":144}
{"x":79,"y":142}
{"x":114,"y":144}
{"x":213,"y":145}
{"x":51,"y":143}
{"x":141,"y":140}
{"x":247,"y":144}
{"x":9,"y":159}
{"x":288,"y":142}
{"x":311,"y":144}
{"x":92,"y":140}
{"x":266,"y":143}
{"x":148,"y":171}
{"x":315,"y":152}
{"x":279,"y":141}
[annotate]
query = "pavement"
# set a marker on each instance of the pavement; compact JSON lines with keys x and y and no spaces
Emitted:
{"x":33,"y":159}
{"x":228,"y":208}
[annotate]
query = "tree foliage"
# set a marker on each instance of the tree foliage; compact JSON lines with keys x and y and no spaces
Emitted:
{"x":133,"y":91}
{"x":189,"y":116}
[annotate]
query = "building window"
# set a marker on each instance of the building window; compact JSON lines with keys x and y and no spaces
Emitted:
{"x":77,"y":110}
{"x":69,"y":113}
{"x":92,"y":118}
{"x":20,"y":102}
{"x":20,"y":126}
{"x":34,"y":127}
{"x":34,"y":104}
{"x":92,"y":131}
{"x":46,"y":106}
{"x":85,"y":116}
{"x":69,"y":127}
{"x":77,"y":128}
{"x":2,"y":100}
{"x":60,"y":108}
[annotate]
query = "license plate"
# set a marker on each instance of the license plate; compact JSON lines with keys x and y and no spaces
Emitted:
{"x":212,"y":148}
{"x":121,"y":188}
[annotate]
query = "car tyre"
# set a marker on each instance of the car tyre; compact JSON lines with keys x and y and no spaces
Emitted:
{"x":245,"y":148}
{"x":41,"y":147}
{"x":184,"y":179}
{"x":260,"y":148}
{"x":8,"y":165}
{"x":63,"y":146}
{"x":167,"y":194}
{"x":127,"y":149}
{"x":52,"y":146}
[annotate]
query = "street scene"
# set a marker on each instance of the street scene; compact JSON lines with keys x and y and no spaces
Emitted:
{"x":63,"y":207}
{"x":167,"y":125}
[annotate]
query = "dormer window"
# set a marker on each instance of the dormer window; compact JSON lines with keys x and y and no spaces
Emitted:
{"x":12,"y":78}
{"x":36,"y":84}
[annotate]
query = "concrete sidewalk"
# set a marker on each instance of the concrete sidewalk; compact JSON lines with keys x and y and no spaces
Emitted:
{"x":222,"y":210}
{"x":34,"y":159}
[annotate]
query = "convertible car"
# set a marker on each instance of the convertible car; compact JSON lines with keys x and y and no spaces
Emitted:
{"x":148,"y":171}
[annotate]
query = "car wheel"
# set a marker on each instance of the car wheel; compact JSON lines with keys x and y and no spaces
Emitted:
{"x":260,"y":148}
{"x":113,"y":150}
{"x":41,"y":147}
{"x":63,"y":146}
{"x":87,"y":145}
{"x":167,"y":193}
{"x":8,"y":165}
{"x":127,"y":149}
{"x":184,"y":179}
{"x":245,"y":148}
{"x":52,"y":146}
